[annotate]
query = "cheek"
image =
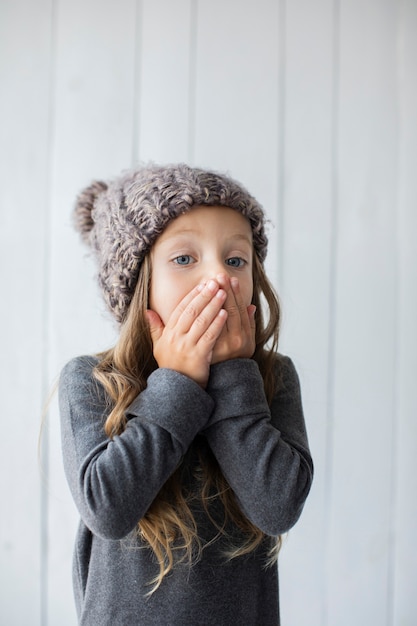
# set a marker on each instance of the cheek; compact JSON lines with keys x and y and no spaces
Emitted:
{"x":162,"y":300}
{"x":165,"y":294}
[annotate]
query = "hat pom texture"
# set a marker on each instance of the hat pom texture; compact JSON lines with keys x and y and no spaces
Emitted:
{"x":83,"y":220}
{"x":121,"y":220}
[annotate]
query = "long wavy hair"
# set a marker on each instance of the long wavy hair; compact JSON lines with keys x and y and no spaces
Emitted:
{"x":169,"y":525}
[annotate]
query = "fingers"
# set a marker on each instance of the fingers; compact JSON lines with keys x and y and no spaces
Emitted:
{"x":237,"y":339}
{"x":155,"y":324}
{"x":187,"y":341}
{"x":237,"y":313}
{"x":213,"y":331}
{"x":199,"y":309}
{"x":251,"y":314}
{"x":212,"y":323}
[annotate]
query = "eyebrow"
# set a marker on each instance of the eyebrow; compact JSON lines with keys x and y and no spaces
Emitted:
{"x":240,"y":237}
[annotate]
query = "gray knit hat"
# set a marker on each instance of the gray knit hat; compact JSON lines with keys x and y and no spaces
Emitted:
{"x":121,"y":219}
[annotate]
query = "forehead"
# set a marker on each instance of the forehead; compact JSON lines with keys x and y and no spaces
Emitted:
{"x":203,"y":219}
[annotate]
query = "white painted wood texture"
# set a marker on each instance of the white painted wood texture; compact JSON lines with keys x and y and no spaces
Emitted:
{"x":404,"y":513}
{"x":307,"y":205}
{"x":312,"y":106}
{"x":25,"y":57}
{"x":365,"y":316}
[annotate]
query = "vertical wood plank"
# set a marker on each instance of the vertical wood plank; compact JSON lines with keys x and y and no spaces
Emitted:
{"x":24,"y":109}
{"x":404,"y":564}
{"x":164,"y":110}
{"x":236,"y":98}
{"x":93,"y":137}
{"x":364,"y":354}
{"x":305,"y":285}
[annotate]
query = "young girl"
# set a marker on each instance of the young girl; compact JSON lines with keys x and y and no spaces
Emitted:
{"x":184,"y":445}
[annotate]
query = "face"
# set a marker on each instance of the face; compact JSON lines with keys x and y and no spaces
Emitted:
{"x":198,"y":246}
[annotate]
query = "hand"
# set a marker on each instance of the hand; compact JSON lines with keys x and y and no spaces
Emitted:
{"x":187,"y":341}
{"x":237,"y":339}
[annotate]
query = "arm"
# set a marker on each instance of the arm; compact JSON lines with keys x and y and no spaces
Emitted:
{"x":114,"y":482}
{"x":262,"y":452}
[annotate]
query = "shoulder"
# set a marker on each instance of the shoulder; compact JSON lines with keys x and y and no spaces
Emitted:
{"x":77,"y":383}
{"x":79,"y":366}
{"x":77,"y":373}
{"x":286,"y":370}
{"x":287,"y":382}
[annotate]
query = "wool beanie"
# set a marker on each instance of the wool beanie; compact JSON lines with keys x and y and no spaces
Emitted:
{"x":121,"y":219}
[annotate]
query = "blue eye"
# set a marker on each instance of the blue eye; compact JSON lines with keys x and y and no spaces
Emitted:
{"x":235,"y":261}
{"x":184,"y":259}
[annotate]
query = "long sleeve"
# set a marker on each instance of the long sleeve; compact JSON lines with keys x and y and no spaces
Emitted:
{"x":263,"y":452}
{"x":113,"y":482}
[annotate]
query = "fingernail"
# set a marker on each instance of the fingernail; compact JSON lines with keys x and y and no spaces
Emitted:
{"x":211,"y":285}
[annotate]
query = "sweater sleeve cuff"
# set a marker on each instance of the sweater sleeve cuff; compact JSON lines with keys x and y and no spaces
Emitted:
{"x":175,"y":403}
{"x":237,"y":388}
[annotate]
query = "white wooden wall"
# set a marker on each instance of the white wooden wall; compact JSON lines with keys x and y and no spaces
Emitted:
{"x":313,"y":106}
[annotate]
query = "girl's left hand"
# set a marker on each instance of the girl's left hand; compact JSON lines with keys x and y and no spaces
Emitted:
{"x":237,"y":339}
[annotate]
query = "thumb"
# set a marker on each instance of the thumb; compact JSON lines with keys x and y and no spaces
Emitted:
{"x":155,"y":324}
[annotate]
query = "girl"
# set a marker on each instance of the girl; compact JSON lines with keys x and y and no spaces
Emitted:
{"x":184,"y":445}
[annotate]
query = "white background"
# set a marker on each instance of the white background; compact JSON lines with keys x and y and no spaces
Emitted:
{"x":313,"y":106}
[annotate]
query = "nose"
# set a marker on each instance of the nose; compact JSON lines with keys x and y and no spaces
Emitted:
{"x":215,"y":266}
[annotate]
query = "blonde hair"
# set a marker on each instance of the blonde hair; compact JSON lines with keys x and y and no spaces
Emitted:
{"x":123,"y":372}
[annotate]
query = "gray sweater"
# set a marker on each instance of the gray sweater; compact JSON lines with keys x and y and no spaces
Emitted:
{"x":263,"y":453}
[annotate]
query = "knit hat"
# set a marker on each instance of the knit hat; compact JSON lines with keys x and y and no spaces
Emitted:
{"x":121,"y":219}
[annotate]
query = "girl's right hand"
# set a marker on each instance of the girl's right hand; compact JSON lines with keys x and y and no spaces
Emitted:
{"x":187,"y":341}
